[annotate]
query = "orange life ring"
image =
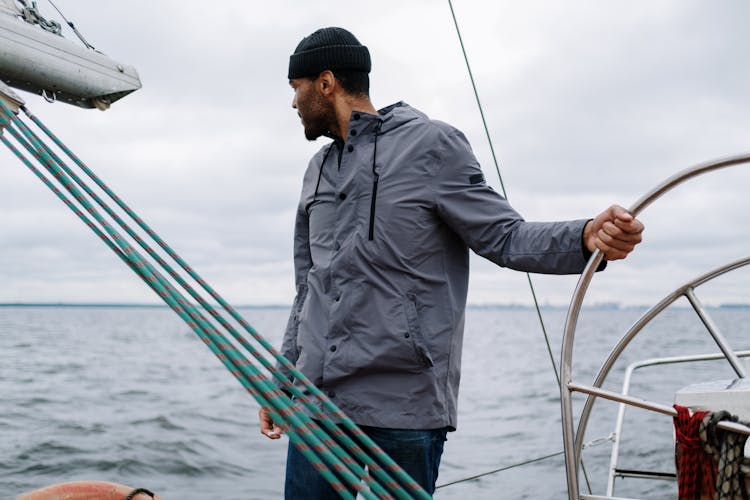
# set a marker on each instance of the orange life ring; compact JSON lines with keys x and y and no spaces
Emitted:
{"x":87,"y":490}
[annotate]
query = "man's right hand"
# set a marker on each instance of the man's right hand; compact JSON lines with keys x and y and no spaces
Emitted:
{"x":615,"y":232}
{"x":267,"y":426}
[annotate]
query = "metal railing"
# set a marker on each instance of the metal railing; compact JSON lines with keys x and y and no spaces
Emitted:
{"x":571,"y":439}
{"x":617,"y":433}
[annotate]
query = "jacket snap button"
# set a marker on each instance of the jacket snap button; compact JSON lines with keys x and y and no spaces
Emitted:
{"x":331,"y":394}
{"x":350,"y":148}
{"x":333,"y":348}
{"x":342,"y":196}
{"x":407,"y":335}
{"x":354,"y":132}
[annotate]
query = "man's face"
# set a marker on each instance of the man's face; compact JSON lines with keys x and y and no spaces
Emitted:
{"x":316,"y":113}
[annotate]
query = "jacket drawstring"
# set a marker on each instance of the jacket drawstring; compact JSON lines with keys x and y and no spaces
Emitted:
{"x":375,"y":180}
{"x":320,"y":175}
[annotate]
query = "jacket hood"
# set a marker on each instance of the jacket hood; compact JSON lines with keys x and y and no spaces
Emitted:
{"x":398,"y":114}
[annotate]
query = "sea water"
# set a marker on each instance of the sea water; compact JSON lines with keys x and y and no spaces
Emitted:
{"x":131,"y":395}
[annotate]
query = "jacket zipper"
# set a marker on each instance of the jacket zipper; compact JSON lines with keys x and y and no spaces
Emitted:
{"x":372,"y":204}
{"x":375,"y":179}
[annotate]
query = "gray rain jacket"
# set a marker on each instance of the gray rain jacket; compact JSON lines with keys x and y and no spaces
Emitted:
{"x":383,"y":229}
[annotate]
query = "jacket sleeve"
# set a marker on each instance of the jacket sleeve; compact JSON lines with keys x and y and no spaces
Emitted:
{"x":302,"y":264}
{"x":490,"y":226}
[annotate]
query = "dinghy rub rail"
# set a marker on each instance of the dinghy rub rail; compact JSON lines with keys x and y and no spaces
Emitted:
{"x":90,"y":490}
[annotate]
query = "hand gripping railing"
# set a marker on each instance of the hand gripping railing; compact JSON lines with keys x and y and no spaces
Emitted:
{"x":567,"y":387}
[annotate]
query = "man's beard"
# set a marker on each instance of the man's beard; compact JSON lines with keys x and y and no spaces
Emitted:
{"x":318,"y":120}
{"x":315,"y":129}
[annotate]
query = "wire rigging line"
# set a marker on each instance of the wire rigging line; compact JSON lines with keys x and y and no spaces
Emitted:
{"x":595,"y":442}
{"x":501,"y":469}
{"x":476,"y":96}
{"x":72,"y":26}
{"x":502,"y":184}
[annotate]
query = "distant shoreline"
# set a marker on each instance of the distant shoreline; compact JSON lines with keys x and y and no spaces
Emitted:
{"x":121,"y":305}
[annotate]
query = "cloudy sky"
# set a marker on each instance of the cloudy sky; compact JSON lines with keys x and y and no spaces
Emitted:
{"x":588,"y":103}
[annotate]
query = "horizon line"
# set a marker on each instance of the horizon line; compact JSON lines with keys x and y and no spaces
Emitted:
{"x":489,"y":305}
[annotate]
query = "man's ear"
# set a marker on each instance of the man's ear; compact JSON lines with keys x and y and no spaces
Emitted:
{"x":326,"y":82}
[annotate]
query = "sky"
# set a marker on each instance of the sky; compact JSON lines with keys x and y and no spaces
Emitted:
{"x":588,"y":103}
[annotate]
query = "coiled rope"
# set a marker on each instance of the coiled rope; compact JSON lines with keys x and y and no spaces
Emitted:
{"x":709,"y":459}
{"x":694,"y":468}
{"x":339,"y":452}
{"x":727,"y":450}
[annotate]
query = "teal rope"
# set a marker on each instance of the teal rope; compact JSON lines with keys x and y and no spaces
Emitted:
{"x":230,"y":358}
{"x":252,"y":381}
{"x":185,"y":285}
{"x":374,"y":468}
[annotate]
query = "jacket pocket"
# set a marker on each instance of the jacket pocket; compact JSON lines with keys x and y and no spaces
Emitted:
{"x":414,"y":332}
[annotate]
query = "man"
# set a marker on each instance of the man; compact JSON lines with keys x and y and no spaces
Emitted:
{"x":387,"y":215}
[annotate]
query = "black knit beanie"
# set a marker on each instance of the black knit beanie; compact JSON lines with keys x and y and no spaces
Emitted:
{"x":328,"y":48}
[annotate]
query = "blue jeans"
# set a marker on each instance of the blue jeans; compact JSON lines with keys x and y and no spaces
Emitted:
{"x":417,"y":452}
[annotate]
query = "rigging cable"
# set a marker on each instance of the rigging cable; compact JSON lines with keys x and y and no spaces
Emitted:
{"x":594,"y":442}
{"x":502,"y":186}
{"x":501,"y":469}
{"x":72,"y":26}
